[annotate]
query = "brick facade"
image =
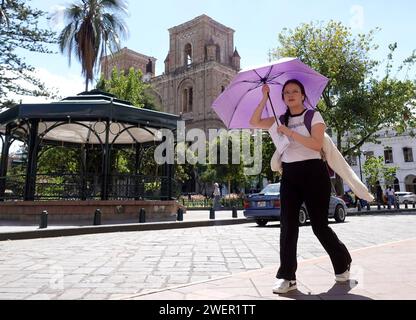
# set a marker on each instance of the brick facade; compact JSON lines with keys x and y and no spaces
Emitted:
{"x":125,"y":59}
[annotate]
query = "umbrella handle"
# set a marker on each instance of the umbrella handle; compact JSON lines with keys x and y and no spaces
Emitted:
{"x":271,"y":103}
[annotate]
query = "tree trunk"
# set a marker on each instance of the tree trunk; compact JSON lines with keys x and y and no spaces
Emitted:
{"x":86,"y":84}
{"x":229,"y":190}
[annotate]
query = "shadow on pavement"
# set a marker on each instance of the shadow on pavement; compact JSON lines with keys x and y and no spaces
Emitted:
{"x":339,"y":291}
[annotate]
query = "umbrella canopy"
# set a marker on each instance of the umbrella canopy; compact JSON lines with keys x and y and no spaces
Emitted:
{"x":236,"y":104}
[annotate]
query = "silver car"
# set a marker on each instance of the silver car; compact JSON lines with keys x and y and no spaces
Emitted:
{"x":405,"y":197}
{"x":265,"y":206}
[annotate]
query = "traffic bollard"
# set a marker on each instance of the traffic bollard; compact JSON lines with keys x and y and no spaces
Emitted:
{"x":212,"y":213}
{"x":180,"y":215}
{"x":43,"y":220}
{"x":142,"y":216}
{"x":368,"y":207}
{"x":405,"y":205}
{"x":97,"y":217}
{"x":234,"y":212}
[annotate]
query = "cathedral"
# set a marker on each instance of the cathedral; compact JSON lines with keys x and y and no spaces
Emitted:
{"x":201,"y":62}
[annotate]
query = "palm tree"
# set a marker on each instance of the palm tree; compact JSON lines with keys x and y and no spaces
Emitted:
{"x":93,"y":26}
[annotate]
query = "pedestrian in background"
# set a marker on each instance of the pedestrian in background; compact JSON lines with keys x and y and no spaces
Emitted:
{"x":217,"y":196}
{"x":390,"y":196}
{"x":379,"y":194}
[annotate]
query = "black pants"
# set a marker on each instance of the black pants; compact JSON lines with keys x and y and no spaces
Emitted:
{"x":307,"y":181}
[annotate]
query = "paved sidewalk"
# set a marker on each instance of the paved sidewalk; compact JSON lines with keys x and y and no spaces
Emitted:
{"x":386,"y":271}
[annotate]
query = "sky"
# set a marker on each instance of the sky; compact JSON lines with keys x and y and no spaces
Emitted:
{"x":256,"y":24}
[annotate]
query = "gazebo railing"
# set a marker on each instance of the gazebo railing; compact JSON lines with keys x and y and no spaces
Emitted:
{"x":58,"y":186}
{"x":125,"y":186}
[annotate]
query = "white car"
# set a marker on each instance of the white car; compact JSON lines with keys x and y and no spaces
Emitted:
{"x":405,"y":197}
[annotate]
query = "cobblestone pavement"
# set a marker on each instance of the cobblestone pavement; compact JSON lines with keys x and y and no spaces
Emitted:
{"x":115,"y":265}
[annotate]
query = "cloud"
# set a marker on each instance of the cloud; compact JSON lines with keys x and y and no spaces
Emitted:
{"x":357,"y":20}
{"x":57,"y":17}
{"x":64,"y":85}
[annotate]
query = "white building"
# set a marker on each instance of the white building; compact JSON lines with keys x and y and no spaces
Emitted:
{"x":397,"y":150}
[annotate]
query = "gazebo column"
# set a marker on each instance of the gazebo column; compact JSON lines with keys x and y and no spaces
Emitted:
{"x":106,"y":164}
{"x":166,"y":183}
{"x":83,"y":173}
{"x":167,"y":174}
{"x":4,"y":162}
{"x":32,"y":161}
{"x":138,"y":185}
{"x":170,"y":180}
{"x":163,"y":182}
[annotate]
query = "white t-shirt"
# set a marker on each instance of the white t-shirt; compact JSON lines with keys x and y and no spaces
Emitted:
{"x":297,"y":151}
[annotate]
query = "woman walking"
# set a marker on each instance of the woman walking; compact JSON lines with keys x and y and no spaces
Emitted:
{"x":305,"y":178}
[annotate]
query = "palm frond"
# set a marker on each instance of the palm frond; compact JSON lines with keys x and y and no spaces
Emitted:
{"x":93,"y":26}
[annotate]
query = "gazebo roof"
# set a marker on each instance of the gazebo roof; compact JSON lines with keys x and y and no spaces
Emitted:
{"x":87,"y":112}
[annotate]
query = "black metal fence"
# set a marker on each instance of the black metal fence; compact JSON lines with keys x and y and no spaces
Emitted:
{"x":89,"y":187}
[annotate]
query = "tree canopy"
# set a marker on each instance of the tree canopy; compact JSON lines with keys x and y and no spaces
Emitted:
{"x":128,"y":87}
{"x":19,"y":30}
{"x":356,"y":103}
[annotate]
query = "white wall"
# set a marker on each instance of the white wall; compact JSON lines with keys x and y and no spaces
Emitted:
{"x":397,"y":143}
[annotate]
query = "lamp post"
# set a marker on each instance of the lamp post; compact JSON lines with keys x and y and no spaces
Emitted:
{"x":359,"y":163}
{"x":364,"y":152}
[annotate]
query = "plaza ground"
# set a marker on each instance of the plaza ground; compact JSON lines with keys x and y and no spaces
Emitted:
{"x":212,"y":262}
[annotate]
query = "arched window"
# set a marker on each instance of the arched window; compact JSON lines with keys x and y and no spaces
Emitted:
{"x":188,"y":54}
{"x":187,"y":99}
{"x":190,"y":98}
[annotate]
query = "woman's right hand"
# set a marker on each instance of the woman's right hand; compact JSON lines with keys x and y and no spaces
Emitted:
{"x":265,"y":90}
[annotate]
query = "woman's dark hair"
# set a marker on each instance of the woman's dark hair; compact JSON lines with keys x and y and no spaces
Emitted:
{"x":302,"y":90}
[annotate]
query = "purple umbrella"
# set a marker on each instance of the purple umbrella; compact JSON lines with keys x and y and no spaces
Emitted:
{"x":236,"y":104}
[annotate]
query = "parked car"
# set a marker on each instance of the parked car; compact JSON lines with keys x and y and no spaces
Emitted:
{"x":265,"y":206}
{"x":405,"y":197}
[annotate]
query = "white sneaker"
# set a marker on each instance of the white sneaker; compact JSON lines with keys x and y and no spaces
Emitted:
{"x":283,"y":286}
{"x":345,"y":276}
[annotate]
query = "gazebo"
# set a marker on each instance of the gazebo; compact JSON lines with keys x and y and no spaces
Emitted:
{"x":93,"y":120}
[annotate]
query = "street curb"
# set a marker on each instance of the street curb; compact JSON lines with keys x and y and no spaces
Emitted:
{"x":45,"y":233}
